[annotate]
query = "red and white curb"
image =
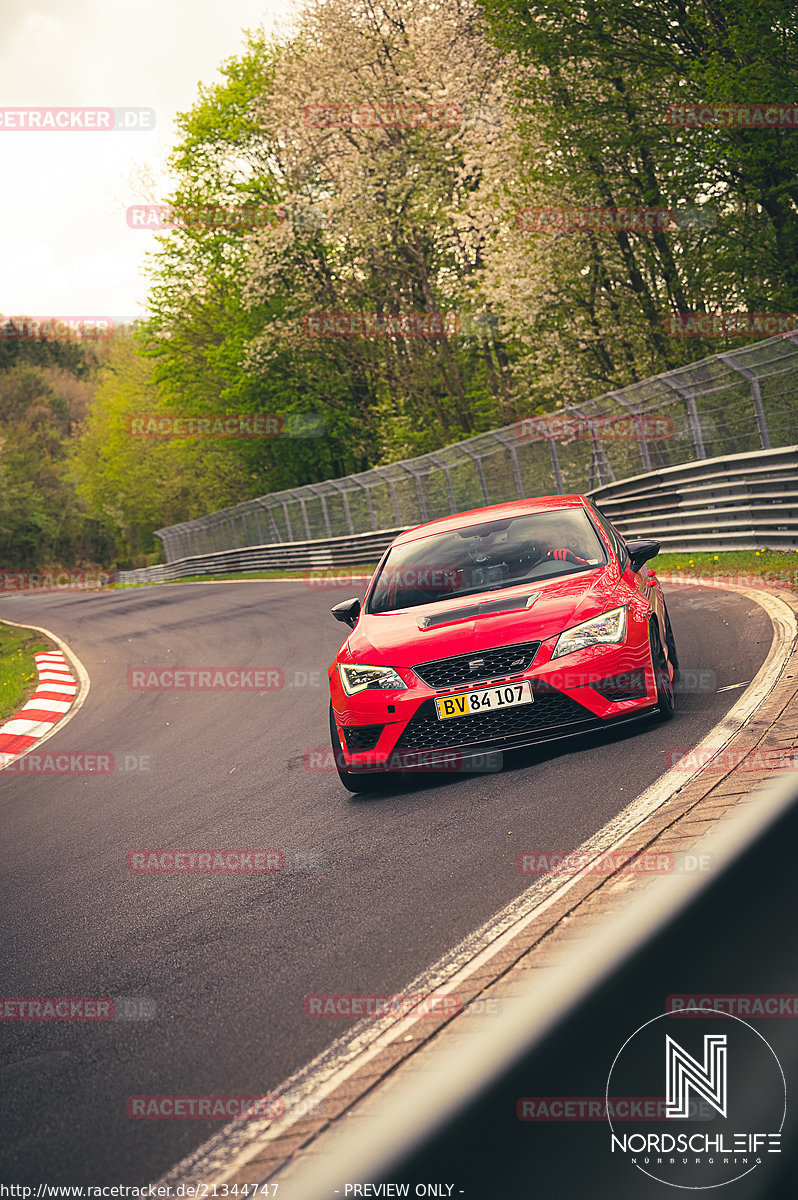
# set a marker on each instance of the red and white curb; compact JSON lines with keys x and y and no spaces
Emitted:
{"x":54,"y":696}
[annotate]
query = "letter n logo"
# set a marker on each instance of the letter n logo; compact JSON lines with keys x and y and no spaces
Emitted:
{"x":683,"y":1073}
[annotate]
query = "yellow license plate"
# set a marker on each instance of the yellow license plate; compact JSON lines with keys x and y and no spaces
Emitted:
{"x":468,"y":704}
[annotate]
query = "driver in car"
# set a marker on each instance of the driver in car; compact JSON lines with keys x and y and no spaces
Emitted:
{"x":562,"y":554}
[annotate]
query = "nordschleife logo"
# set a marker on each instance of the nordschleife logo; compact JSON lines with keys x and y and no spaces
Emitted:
{"x":684,"y":1074}
{"x":716,"y":1064}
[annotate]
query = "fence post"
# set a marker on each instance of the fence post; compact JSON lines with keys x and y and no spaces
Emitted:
{"x":598,"y":455}
{"x":303,"y":506}
{"x":756,"y":397}
{"x":505,"y":441}
{"x":692,"y":413}
{"x":360,"y":481}
{"x":477,"y":461}
{"x":449,"y":490}
{"x":555,"y":462}
{"x":339,"y":487}
{"x":316,"y":489}
{"x":645,"y":457}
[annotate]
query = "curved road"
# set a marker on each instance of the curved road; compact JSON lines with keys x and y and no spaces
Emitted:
{"x":374,"y":888}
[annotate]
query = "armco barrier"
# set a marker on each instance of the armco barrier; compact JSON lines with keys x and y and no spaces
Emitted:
{"x":742,"y":501}
{"x":354,"y":551}
{"x":729,"y":931}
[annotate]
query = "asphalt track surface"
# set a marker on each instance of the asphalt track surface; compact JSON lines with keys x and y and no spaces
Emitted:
{"x":375,"y":888}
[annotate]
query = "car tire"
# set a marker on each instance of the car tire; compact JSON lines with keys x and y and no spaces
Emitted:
{"x":352,"y":782}
{"x":670,"y":642}
{"x":659,"y":661}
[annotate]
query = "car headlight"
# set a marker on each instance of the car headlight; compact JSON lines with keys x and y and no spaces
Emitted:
{"x":357,"y":678}
{"x":609,"y":627}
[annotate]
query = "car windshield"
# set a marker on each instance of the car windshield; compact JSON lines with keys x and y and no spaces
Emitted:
{"x":487,"y":556}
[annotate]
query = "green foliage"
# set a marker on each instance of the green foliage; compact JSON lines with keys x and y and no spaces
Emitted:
{"x":18,"y":674}
{"x":366,"y":217}
{"x":137,"y":484}
{"x":41,"y":520}
{"x":599,"y":81}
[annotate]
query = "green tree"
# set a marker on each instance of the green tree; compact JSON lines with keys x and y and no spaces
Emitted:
{"x":137,"y":484}
{"x":41,"y":520}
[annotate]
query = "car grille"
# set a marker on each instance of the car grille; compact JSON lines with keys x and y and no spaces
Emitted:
{"x":550,"y":711}
{"x":361,"y":737}
{"x":504,"y":661}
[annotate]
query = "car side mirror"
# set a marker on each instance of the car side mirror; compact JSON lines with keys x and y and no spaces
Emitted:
{"x":640,"y":552}
{"x":347,"y":611}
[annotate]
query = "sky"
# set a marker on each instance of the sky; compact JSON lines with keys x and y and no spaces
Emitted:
{"x":65,"y":246}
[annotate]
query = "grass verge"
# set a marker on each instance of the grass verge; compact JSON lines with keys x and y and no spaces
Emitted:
{"x":18,"y":675}
{"x":772,"y":566}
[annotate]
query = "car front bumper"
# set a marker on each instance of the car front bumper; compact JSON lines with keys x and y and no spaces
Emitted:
{"x":566,"y":702}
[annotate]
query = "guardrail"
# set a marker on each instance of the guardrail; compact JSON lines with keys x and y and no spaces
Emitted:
{"x":741,"y":502}
{"x":557,"y":1037}
{"x":363,"y":548}
{"x":738,"y":502}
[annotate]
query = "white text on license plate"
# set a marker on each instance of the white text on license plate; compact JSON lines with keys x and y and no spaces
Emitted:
{"x":506,"y":695}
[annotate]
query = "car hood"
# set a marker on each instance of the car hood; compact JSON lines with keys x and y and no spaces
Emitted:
{"x":531,"y":612}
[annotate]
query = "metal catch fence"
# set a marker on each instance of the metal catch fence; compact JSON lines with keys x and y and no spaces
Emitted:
{"x":730,"y":403}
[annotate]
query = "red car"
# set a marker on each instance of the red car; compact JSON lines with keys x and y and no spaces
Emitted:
{"x":496,"y":629}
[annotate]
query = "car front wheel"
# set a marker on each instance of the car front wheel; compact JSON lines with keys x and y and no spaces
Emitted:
{"x":659,"y":661}
{"x":352,"y":782}
{"x":670,"y":642}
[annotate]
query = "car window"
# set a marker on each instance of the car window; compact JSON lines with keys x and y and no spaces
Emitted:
{"x":487,"y":556}
{"x":616,"y":540}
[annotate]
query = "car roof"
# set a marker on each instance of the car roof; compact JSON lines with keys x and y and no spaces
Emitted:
{"x":494,"y":512}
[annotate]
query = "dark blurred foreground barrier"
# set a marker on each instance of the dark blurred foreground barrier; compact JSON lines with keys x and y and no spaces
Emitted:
{"x":454,"y":1122}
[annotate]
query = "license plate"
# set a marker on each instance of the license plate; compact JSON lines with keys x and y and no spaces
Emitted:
{"x":467,"y":704}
